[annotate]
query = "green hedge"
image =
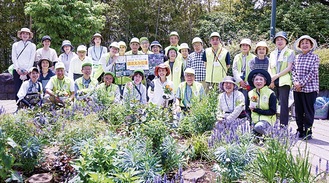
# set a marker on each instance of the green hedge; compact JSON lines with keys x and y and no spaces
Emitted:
{"x":323,"y":68}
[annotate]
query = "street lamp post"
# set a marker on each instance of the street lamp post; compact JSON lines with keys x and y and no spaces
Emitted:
{"x":273,"y":19}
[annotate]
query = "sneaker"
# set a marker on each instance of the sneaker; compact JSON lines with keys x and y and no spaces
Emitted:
{"x":300,"y":135}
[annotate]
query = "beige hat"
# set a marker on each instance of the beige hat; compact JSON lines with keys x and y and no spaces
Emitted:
{"x":228,"y":79}
{"x":121,"y":43}
{"x":82,"y":48}
{"x":245,"y":41}
{"x":59,"y":65}
{"x":197,"y":40}
{"x":25,"y":30}
{"x":263,"y":44}
{"x":189,"y":71}
{"x":134,"y":40}
{"x":174,"y":33}
{"x":214,"y":34}
{"x":115,"y":45}
{"x":182,"y":46}
{"x":306,"y":37}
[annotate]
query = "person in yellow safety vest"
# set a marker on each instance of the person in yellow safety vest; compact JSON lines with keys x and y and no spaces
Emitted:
{"x":122,"y":48}
{"x":134,"y":46}
{"x":188,"y":90}
{"x":174,"y":41}
{"x":60,"y":88}
{"x":107,"y":61}
{"x":184,"y":51}
{"x":262,"y":101}
{"x":110,"y":88}
{"x":145,"y":44}
{"x":241,"y":68}
{"x":84,"y":85}
{"x":217,"y":60}
{"x":281,"y":60}
{"x":176,"y":68}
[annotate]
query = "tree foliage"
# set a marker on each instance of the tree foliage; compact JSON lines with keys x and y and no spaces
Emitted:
{"x":60,"y":19}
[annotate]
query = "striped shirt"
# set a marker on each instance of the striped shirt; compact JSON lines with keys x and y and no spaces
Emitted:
{"x":195,"y":62}
{"x":305,"y":70}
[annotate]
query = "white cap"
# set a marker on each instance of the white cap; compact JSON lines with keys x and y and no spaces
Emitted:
{"x":134,"y":40}
{"x":190,"y":71}
{"x":59,"y":65}
{"x":214,"y":34}
{"x":115,"y":45}
{"x":245,"y":41}
{"x":82,"y":48}
{"x":197,"y":40}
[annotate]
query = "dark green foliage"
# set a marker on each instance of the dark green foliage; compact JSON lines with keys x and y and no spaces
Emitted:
{"x":323,"y":68}
{"x":202,"y":116}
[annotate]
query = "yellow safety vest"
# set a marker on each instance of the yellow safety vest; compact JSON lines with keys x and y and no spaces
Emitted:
{"x":196,"y":88}
{"x":216,"y":72}
{"x":81,"y":87}
{"x":263,"y":100}
{"x":63,"y":85}
{"x":285,"y":79}
{"x":176,"y":73}
{"x":111,"y":90}
{"x":238,"y":61}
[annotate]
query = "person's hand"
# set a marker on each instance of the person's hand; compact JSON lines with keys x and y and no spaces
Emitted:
{"x":272,"y":85}
{"x":178,"y":109}
{"x":19,"y":72}
{"x":275,"y":77}
{"x":242,"y":84}
{"x":130,"y":85}
{"x":298,"y":86}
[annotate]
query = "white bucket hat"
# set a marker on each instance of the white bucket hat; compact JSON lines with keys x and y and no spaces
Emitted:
{"x":214,"y":34}
{"x":263,"y":44}
{"x":189,"y":71}
{"x":25,"y":30}
{"x":182,"y":46}
{"x":297,"y":43}
{"x":82,"y":48}
{"x":245,"y":41}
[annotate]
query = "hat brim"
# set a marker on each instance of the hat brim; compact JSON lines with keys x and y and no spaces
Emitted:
{"x":282,"y":37}
{"x":50,"y":63}
{"x":62,"y":48}
{"x":221,"y":85}
{"x":156,"y":71}
{"x":315,"y":45}
{"x":19,"y":34}
{"x":261,"y":71}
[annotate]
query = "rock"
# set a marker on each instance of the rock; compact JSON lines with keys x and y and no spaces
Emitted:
{"x":193,"y":174}
{"x":41,"y":178}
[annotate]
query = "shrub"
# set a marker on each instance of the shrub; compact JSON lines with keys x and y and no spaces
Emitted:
{"x":323,"y":68}
{"x":199,"y":146}
{"x":202,"y":116}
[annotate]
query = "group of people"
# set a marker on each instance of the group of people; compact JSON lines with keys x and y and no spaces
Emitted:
{"x":258,"y":83}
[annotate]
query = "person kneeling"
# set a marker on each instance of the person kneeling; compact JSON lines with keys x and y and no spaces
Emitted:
{"x":262,"y":101}
{"x":188,"y":90}
{"x":231,"y":103}
{"x":30,"y":92}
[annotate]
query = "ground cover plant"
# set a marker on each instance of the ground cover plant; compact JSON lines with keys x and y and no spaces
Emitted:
{"x":102,"y":142}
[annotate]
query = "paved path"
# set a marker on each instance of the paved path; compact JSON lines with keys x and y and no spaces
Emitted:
{"x":318,"y":146}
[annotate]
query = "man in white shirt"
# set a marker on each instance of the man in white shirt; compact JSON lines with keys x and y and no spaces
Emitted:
{"x":76,"y":63}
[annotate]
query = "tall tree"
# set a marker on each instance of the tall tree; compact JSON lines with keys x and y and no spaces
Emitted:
{"x":61,"y":19}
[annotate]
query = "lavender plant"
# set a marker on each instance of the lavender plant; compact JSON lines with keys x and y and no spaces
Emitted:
{"x":2,"y":110}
